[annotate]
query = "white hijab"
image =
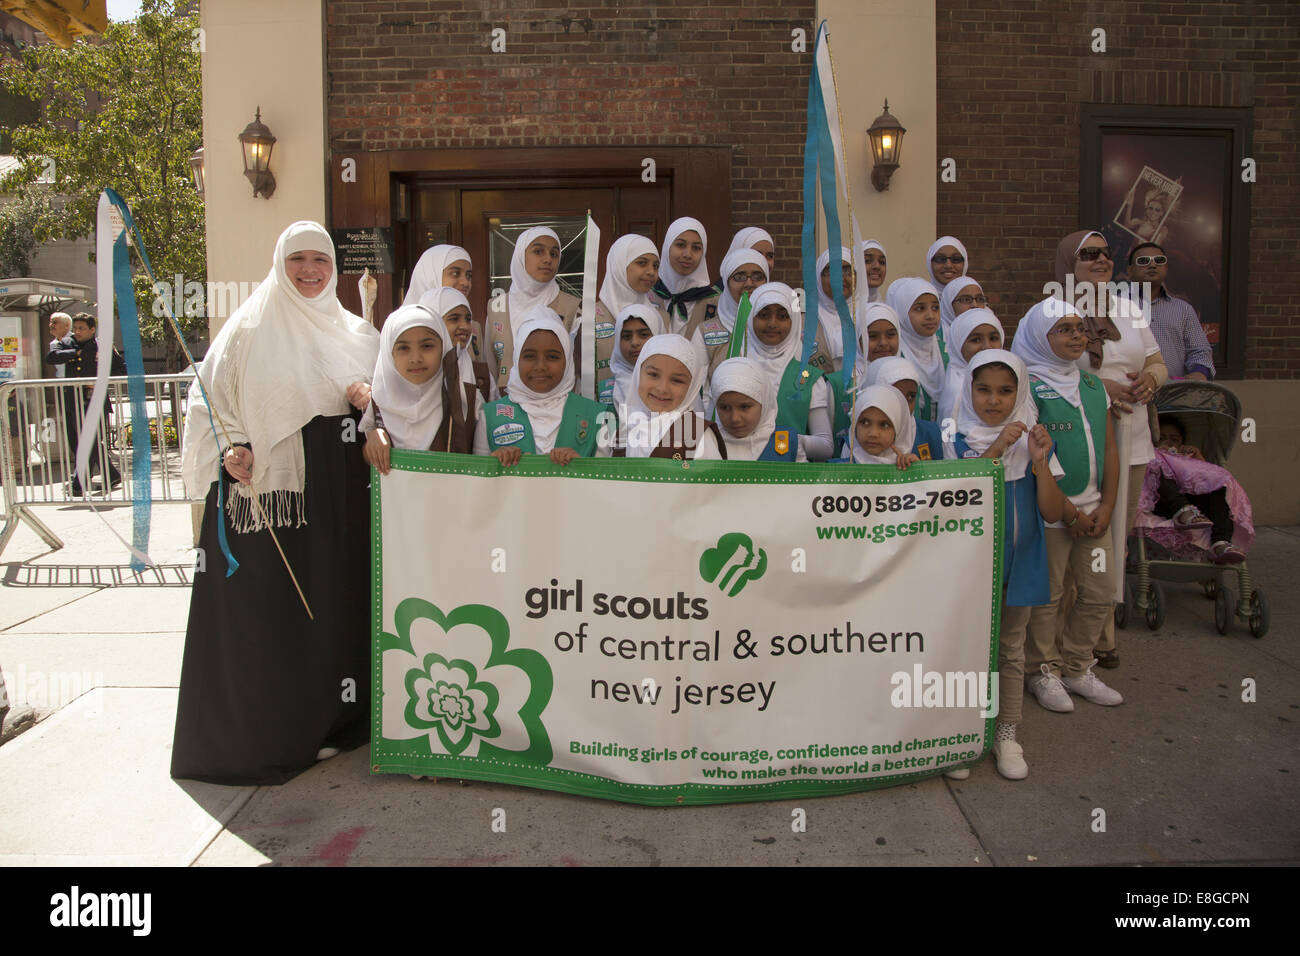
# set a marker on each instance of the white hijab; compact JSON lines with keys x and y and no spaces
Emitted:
{"x":619,"y":365}
{"x":544,"y":409}
{"x":935,"y":247}
{"x":746,"y":238}
{"x":1033,"y":346}
{"x":412,"y":413}
{"x":746,"y":377}
{"x":947,"y":313}
{"x":890,"y":401}
{"x":427,"y":273}
{"x":875,"y":312}
{"x":525,"y":291}
{"x":675,"y":282}
{"x":729,"y":308}
{"x":826,"y":312}
{"x":979,"y":436}
{"x":281,"y":360}
{"x":773,"y":360}
{"x":643,"y":429}
{"x":873,"y":295}
{"x":440,"y":302}
{"x":891,"y":370}
{"x":923,"y":350}
{"x":955,"y":381}
{"x":615,"y":291}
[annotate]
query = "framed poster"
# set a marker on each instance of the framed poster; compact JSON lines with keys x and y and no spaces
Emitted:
{"x":1172,"y":175}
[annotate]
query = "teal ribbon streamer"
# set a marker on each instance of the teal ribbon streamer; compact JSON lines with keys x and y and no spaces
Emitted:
{"x":141,"y":445}
{"x":135,"y":385}
{"x":819,"y":164}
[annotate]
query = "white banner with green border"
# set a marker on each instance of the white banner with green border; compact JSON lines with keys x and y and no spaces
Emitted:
{"x":668,"y":633}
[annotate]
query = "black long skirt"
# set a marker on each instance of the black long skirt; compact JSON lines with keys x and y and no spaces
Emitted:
{"x":263,"y":688}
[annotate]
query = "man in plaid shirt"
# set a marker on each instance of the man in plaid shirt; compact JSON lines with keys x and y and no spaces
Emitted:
{"x":1174,"y":323}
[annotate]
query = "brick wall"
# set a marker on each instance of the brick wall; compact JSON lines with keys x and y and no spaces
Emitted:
{"x":1011,"y":78}
{"x":420,"y":74}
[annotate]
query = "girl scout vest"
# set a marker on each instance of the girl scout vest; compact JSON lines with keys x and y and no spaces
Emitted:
{"x":1024,"y":552}
{"x":508,"y":426}
{"x":456,"y":433}
{"x":1064,"y":423}
{"x":793,"y":407}
{"x":501,"y":342}
{"x":717,"y":340}
{"x":681,"y":441}
{"x":605,"y":346}
{"x":782,"y":446}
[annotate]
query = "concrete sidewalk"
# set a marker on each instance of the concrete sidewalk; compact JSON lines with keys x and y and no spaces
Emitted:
{"x":1185,"y":771}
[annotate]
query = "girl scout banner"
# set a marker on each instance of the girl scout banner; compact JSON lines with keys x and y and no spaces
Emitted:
{"x":669,"y":633}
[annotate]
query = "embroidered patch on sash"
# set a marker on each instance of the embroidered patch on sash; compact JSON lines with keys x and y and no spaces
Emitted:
{"x":716,"y":337}
{"x":782,"y":443}
{"x":582,"y":429}
{"x":710,"y":311}
{"x":604,"y":330}
{"x":506,"y":411}
{"x":923,"y":452}
{"x":498,"y":327}
{"x":605,"y":392}
{"x":602,"y":363}
{"x":508,"y":434}
{"x":499,"y":348}
{"x":1047,"y":393}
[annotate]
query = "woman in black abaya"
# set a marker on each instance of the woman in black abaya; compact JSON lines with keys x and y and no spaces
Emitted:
{"x":264,"y":690}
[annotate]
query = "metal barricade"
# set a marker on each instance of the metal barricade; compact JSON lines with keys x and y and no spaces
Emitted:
{"x":40,"y":420}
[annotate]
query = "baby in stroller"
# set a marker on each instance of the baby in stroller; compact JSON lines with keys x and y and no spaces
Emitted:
{"x":1192,"y":506}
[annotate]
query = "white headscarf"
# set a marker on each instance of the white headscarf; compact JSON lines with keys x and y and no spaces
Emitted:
{"x":643,"y":429}
{"x":935,"y":247}
{"x":923,"y":350}
{"x":440,"y":302}
{"x":947,"y":308}
{"x":667,"y":274}
{"x":746,"y":377}
{"x":772,"y":360}
{"x":890,"y":401}
{"x":980,"y":436}
{"x":412,"y":413}
{"x":890,"y":370}
{"x":544,"y":409}
{"x":1033,"y":346}
{"x":615,"y":291}
{"x":729,"y":308}
{"x":826,"y":312}
{"x":525,"y":291}
{"x":281,"y":360}
{"x":427,"y":273}
{"x":875,"y":312}
{"x":873,"y":295}
{"x":954,"y":383}
{"x":620,"y":366}
{"x":746,"y":238}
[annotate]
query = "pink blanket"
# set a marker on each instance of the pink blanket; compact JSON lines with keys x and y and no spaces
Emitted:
{"x":1193,"y":478}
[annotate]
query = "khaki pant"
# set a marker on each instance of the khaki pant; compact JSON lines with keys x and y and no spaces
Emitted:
{"x":1071,"y":654}
{"x":1011,"y":663}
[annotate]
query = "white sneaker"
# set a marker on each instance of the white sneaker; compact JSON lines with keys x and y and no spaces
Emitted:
{"x":960,"y":774}
{"x":1089,"y":687}
{"x":1049,"y":690}
{"x":1010,"y":757}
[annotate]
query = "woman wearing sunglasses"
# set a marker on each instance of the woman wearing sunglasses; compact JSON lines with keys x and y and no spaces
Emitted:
{"x":1124,"y":354}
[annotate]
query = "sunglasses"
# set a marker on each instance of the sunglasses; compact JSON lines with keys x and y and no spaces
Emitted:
{"x":955,"y":260}
{"x":1150,"y":260}
{"x":971,"y":300}
{"x":1093,"y":253}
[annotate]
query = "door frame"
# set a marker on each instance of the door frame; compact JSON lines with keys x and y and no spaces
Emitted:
{"x":364,"y":185}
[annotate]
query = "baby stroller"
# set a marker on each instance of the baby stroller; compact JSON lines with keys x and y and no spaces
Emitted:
{"x":1209,"y":415}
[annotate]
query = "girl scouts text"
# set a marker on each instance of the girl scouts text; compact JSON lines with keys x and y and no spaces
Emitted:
{"x":541,"y":601}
